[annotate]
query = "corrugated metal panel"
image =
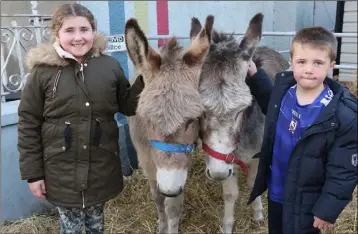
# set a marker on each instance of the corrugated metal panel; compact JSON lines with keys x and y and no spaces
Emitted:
{"x":350,"y":27}
{"x":349,"y":40}
{"x":350,"y":6}
{"x":349,"y":58}
{"x":350,"y":48}
{"x":349,"y":45}
{"x":350,"y":17}
{"x":347,"y":75}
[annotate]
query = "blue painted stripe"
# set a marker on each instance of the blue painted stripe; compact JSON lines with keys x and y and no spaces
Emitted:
{"x":117,"y":23}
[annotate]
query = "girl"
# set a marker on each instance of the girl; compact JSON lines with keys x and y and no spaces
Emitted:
{"x":68,"y":137}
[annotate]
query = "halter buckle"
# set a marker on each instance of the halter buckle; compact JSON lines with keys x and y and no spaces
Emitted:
{"x":189,"y":149}
{"x":227,"y":158}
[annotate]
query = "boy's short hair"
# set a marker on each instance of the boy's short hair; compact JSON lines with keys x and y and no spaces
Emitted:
{"x":317,"y":37}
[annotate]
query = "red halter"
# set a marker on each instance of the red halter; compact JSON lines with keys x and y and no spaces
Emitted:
{"x":228,"y":158}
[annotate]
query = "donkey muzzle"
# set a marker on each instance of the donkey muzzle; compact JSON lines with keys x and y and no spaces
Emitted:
{"x":170,"y":193}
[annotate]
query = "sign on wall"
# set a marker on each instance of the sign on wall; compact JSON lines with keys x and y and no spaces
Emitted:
{"x":116,"y":43}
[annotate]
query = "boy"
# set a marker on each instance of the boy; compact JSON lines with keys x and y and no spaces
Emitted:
{"x":308,"y":157}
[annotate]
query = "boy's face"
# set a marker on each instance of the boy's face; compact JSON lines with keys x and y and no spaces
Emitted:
{"x":310,"y":66}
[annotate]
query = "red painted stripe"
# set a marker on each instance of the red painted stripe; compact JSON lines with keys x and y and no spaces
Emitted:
{"x":162,"y":20}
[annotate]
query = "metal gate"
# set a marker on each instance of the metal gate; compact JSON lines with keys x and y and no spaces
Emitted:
{"x":15,"y":41}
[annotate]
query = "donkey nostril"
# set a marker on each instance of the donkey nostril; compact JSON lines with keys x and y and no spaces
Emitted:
{"x":230,"y":172}
{"x":208,"y":173}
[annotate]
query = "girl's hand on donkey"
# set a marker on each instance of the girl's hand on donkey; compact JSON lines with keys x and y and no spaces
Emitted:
{"x":252,"y":68}
{"x":321,"y":224}
{"x":38,"y":189}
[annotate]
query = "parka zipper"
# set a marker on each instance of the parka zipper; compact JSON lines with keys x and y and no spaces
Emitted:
{"x":54,"y":89}
{"x":57,"y":78}
{"x":83,"y":192}
{"x":83,"y":76}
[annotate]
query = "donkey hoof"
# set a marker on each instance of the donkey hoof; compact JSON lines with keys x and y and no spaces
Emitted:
{"x":162,"y":228}
{"x":227,"y":229}
{"x":259,"y":218}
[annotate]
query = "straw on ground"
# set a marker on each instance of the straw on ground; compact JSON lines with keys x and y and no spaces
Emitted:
{"x":133,"y":211}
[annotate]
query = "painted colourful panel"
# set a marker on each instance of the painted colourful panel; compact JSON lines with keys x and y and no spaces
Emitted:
{"x":117,"y":25}
{"x":162,"y":20}
{"x":141,"y":14}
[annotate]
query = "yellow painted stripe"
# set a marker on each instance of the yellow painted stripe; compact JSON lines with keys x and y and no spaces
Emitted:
{"x":141,"y":14}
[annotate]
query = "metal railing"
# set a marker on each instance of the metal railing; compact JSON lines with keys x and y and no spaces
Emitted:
{"x":15,"y":37}
{"x":15,"y":40}
{"x":287,"y":34}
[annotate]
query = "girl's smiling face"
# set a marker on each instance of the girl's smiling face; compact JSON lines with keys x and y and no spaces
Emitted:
{"x":76,"y":36}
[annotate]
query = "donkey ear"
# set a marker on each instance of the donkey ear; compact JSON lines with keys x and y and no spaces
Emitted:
{"x":200,"y":44}
{"x":138,"y":48}
{"x":195,"y":28}
{"x":252,"y":36}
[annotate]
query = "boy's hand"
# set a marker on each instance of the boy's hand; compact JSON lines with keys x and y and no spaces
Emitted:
{"x":252,"y":68}
{"x":321,"y":224}
{"x":38,"y":189}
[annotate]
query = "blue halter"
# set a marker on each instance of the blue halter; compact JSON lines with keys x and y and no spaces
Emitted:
{"x":174,"y":148}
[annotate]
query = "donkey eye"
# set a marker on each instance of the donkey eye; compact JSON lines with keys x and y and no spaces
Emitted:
{"x":141,"y":78}
{"x":188,"y":124}
{"x":237,"y":115}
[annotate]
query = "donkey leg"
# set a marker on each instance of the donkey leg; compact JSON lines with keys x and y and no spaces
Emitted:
{"x":174,"y":207}
{"x":159,"y":203}
{"x":230,"y":195}
{"x":257,"y":203}
{"x":149,"y":170}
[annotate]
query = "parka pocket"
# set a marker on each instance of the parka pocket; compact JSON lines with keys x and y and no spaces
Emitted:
{"x":52,"y":89}
{"x":59,"y":166}
{"x":309,"y":199}
{"x":314,"y":172}
{"x":110,"y":148}
{"x":54,"y":149}
{"x":106,"y":161}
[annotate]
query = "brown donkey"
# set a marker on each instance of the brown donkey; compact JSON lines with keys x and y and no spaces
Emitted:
{"x":232,"y":124}
{"x":166,"y":126}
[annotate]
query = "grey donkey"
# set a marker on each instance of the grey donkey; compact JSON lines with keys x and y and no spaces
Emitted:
{"x":231,"y":128}
{"x":166,"y":126}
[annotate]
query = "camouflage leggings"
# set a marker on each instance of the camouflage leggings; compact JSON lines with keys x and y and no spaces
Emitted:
{"x":72,"y":219}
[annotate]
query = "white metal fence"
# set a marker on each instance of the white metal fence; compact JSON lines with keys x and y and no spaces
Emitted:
{"x":17,"y":39}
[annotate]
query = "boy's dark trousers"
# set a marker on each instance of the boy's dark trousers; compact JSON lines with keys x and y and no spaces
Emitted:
{"x":275,"y":219}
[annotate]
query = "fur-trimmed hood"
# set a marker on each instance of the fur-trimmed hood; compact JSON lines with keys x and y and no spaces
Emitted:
{"x":54,"y":55}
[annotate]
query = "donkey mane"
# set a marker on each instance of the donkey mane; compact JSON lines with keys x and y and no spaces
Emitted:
{"x":222,"y":90}
{"x":224,"y":49}
{"x":171,"y":50}
{"x":170,"y":100}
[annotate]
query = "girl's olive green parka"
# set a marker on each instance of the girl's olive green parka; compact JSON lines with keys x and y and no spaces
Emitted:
{"x":67,"y":133}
